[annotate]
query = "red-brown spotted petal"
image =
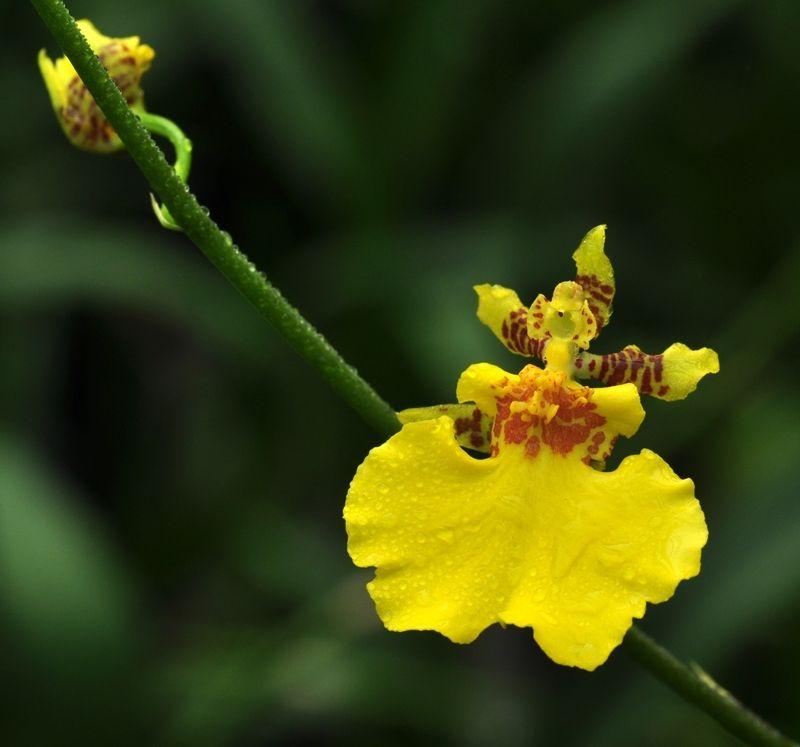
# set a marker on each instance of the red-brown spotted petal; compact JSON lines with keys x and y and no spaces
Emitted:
{"x":501,"y":310}
{"x":671,"y":375}
{"x":595,"y":275}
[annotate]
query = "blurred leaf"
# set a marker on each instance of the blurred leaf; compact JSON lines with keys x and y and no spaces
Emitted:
{"x":69,"y":608}
{"x":61,"y":586}
{"x":54,"y":263}
{"x":601,"y":75}
{"x":746,"y":353}
{"x":316,"y":681}
{"x":432,"y":50}
{"x":297,"y":91}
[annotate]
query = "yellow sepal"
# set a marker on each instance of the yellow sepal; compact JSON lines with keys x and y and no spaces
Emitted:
{"x":590,"y":256}
{"x":52,"y":80}
{"x":671,"y":375}
{"x":596,"y":275}
{"x":501,"y":310}
{"x":684,"y":367}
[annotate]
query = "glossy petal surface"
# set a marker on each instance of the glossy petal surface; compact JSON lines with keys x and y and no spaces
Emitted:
{"x":549,"y":542}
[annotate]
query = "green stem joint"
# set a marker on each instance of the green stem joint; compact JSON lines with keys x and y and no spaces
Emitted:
{"x":183,"y":158}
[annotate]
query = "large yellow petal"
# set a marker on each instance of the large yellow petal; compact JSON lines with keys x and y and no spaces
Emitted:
{"x":426,"y":514}
{"x":461,"y":543}
{"x":602,"y":545}
{"x":671,"y":375}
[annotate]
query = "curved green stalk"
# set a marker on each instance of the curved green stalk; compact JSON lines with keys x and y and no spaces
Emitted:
{"x":692,"y":685}
{"x":168,"y":129}
{"x":183,"y":158}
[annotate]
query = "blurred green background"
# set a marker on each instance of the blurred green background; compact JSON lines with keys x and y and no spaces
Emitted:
{"x":172,"y":555}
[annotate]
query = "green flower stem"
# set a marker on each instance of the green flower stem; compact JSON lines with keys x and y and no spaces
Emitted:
{"x":168,"y":129}
{"x":199,"y":227}
{"x":692,"y":685}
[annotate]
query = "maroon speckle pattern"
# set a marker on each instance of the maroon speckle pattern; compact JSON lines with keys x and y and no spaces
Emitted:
{"x":515,"y":334}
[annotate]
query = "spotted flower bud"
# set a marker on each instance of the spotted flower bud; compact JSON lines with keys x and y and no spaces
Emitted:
{"x":76,"y":110}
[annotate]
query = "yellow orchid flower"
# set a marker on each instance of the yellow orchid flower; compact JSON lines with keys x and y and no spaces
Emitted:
{"x":537,"y":534}
{"x":76,"y":110}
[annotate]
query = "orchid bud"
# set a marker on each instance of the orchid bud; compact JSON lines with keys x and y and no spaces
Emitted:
{"x":84,"y":124}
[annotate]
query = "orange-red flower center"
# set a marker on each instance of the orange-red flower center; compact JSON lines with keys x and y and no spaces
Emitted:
{"x":544,"y":408}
